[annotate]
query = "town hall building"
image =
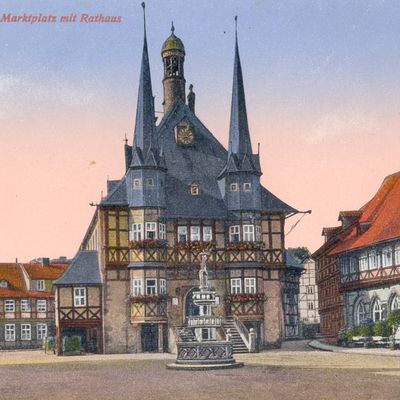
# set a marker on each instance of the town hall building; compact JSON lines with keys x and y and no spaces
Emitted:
{"x":129,"y":288}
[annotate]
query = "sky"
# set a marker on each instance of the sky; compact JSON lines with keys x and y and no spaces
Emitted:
{"x":322,"y":83}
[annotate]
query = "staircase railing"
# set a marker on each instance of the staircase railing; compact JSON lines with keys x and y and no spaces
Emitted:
{"x":243,"y":332}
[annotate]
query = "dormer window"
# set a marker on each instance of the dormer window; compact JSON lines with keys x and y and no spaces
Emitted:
{"x":40,"y":285}
{"x":137,"y":183}
{"x":234,"y":187}
{"x":247,"y":187}
{"x":4,"y":284}
{"x":149,"y":182}
{"x":195,"y":189}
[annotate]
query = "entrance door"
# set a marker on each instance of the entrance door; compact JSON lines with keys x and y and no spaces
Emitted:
{"x":76,"y":331}
{"x":190,"y":308}
{"x":150,"y":337}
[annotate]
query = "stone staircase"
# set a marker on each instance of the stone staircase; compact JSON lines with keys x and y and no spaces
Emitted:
{"x":237,"y":342}
{"x":185,"y":334}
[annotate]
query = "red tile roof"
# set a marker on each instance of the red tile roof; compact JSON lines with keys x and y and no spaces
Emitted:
{"x":46,"y":272}
{"x":13,"y":275}
{"x":380,"y":215}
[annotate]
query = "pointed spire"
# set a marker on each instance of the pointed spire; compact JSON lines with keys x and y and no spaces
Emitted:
{"x":145,"y":116}
{"x":239,"y":137}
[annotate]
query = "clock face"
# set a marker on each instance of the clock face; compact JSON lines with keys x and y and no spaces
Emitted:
{"x":185,"y":135}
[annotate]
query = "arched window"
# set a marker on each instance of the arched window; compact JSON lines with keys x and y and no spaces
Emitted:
{"x":377,"y":311}
{"x":361,"y":313}
{"x":395,"y":305}
{"x":387,"y":257}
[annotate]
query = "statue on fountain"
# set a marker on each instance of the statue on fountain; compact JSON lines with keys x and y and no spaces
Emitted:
{"x":203,"y":273}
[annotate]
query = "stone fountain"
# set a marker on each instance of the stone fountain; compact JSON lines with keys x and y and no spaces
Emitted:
{"x":205,"y":351}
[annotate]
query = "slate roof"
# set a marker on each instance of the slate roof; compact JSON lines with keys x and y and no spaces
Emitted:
{"x":200,"y":163}
{"x":380,"y":216}
{"x":239,"y":136}
{"x":292,"y":261}
{"x":83,"y":270}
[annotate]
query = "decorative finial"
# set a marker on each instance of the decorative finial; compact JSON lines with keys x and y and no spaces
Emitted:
{"x":144,"y":17}
{"x":126,"y":139}
{"x":172,"y":27}
{"x":236,"y":25}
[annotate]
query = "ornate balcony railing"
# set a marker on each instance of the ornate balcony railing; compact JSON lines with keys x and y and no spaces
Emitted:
{"x":199,"y":321}
{"x":149,"y":298}
{"x":148,"y":244}
{"x":246,"y":304}
{"x":147,"y":308}
{"x":176,"y":255}
{"x":204,"y":352}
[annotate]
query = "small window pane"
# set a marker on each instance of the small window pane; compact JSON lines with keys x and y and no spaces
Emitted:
{"x":25,"y":332}
{"x":194,"y":233}
{"x":163,"y":286}
{"x":250,"y":285}
{"x":9,"y":332}
{"x":207,"y":233}
{"x":234,"y":187}
{"x":137,"y":287}
{"x":182,"y":234}
{"x":151,"y":286}
{"x":41,"y":331}
{"x":236,"y":285}
{"x":80,"y":297}
{"x":163,"y":235}
{"x":248,"y":233}
{"x":151,"y":230}
{"x":234,"y":233}
{"x":9,"y":306}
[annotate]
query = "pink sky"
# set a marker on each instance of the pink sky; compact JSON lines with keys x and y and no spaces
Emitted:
{"x":322,"y":97}
{"x":51,"y":179}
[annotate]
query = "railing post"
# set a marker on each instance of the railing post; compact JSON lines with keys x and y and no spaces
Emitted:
{"x":252,"y":341}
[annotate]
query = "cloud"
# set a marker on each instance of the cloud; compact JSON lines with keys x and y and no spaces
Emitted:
{"x":341,"y":125}
{"x":22,"y":94}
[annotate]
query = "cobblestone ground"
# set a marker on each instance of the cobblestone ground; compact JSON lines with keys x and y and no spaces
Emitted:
{"x":294,"y":372}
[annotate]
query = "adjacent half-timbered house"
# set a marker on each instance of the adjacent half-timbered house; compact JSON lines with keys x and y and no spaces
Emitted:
{"x":293,"y":271}
{"x":364,"y":254}
{"x":27,"y":303}
{"x":79,"y":303}
{"x":184,"y":194}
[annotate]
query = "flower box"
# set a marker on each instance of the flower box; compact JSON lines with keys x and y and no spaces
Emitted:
{"x":196,"y":245}
{"x":245,"y":246}
{"x":147,"y":244}
{"x":243,"y":297}
{"x":150,"y":298}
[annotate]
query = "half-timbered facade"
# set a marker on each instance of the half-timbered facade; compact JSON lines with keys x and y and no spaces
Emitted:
{"x":308,"y":299}
{"x":184,"y":194}
{"x":27,"y":303}
{"x":365,"y":250}
{"x":291,"y":290}
{"x":79,"y":303}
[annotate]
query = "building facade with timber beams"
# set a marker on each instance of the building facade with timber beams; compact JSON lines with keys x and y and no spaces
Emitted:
{"x":182,"y":194}
{"x":358,"y":267}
